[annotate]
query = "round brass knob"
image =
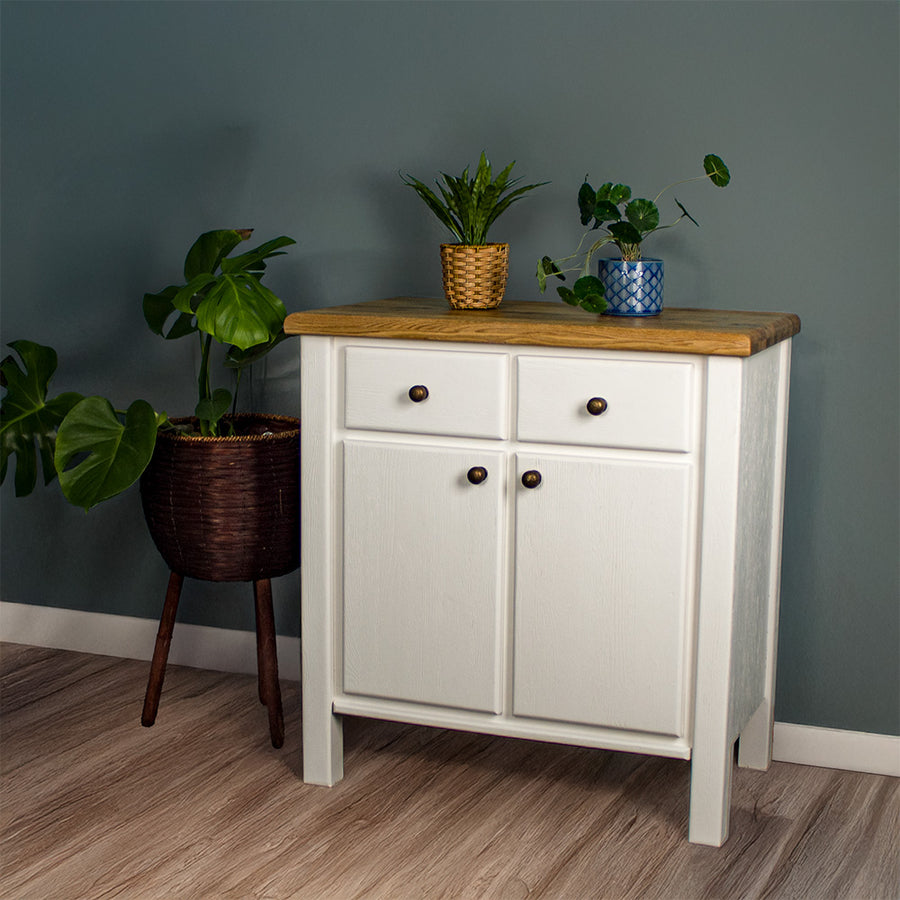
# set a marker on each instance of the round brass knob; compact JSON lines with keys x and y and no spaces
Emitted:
{"x":596,"y":406}
{"x":477,"y":474}
{"x":531,"y":478}
{"x":418,"y":393}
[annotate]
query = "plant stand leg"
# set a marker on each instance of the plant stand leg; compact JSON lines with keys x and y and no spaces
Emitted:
{"x":161,"y":650}
{"x":267,"y":659}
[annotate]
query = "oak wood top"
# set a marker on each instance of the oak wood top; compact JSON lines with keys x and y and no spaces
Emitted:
{"x":709,"y":332}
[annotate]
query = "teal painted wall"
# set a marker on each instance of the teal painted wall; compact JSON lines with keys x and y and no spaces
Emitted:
{"x":129,"y":128}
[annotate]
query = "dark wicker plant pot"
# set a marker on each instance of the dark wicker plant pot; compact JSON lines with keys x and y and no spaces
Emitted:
{"x":227,"y":509}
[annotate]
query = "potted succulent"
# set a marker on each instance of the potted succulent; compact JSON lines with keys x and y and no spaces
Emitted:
{"x":474,"y":271}
{"x":219,"y":490}
{"x":631,"y":284}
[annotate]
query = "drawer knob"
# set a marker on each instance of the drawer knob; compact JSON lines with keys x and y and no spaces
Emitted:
{"x":418,"y":393}
{"x":477,"y":474}
{"x":596,"y":406}
{"x":531,"y":479}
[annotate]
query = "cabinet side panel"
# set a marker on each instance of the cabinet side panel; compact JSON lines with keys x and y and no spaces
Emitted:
{"x":760,"y":467}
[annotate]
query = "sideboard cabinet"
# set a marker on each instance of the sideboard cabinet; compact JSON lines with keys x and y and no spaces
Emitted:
{"x":538,"y":523}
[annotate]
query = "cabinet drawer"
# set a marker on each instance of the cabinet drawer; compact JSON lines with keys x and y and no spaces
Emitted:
{"x":466,"y":392}
{"x":640,"y":405}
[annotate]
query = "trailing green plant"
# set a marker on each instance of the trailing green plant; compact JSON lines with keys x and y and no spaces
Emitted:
{"x":626,"y":222}
{"x":96,"y":450}
{"x":468,"y":206}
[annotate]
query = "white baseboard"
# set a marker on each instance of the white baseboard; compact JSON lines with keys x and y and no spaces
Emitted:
{"x":200,"y":646}
{"x":226,"y":650}
{"x":832,"y":748}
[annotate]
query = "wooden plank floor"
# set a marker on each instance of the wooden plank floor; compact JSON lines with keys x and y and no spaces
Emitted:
{"x":200,"y":806}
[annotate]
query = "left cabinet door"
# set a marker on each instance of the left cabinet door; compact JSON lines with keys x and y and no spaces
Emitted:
{"x":423,"y":574}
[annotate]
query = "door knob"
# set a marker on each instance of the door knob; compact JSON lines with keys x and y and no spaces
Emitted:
{"x":418,"y":393}
{"x":596,"y":406}
{"x":531,"y":478}
{"x":477,"y":474}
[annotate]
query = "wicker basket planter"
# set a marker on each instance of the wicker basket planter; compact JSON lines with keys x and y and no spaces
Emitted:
{"x":474,"y":276}
{"x":227,"y":508}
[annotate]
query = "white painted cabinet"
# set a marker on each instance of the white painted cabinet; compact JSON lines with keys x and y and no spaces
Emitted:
{"x":511,"y":525}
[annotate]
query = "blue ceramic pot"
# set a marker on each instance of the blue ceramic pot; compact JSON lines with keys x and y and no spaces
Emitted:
{"x":632,"y":288}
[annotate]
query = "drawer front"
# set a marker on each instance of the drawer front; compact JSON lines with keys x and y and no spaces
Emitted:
{"x":638,"y":405}
{"x":466,"y":393}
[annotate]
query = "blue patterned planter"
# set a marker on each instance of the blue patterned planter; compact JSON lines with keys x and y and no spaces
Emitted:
{"x":632,"y":288}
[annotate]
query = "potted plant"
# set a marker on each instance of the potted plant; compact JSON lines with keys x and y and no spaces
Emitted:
{"x":474,"y":271}
{"x":631,"y":284}
{"x":220,"y":491}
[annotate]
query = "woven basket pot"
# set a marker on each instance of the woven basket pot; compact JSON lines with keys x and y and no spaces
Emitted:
{"x":474,"y":276}
{"x":227,"y":508}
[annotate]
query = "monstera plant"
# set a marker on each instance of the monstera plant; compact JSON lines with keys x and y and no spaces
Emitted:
{"x":97,"y":450}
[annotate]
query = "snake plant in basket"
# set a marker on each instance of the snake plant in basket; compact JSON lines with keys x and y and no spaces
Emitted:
{"x":474,"y":271}
{"x":630,"y":285}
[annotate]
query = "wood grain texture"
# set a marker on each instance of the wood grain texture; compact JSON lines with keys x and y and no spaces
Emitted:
{"x":702,"y":331}
{"x":201,"y":806}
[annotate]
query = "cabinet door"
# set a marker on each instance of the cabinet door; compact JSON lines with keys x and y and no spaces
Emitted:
{"x":602,"y":576}
{"x":422,"y":574}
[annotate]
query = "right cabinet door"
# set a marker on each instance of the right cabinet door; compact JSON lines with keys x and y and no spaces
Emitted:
{"x":602,"y":578}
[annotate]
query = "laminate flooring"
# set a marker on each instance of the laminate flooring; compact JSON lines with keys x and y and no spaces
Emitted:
{"x":201,"y":806}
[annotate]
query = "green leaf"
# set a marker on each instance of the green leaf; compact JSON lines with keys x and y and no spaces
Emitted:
{"x":470,"y":206}
{"x":208,"y":251}
{"x":589,"y":291}
{"x":441,"y":210}
{"x":643,"y":214}
{"x":116,"y":453}
{"x":605,"y":211}
{"x":546,"y":267}
{"x":716,"y":170}
{"x":593,"y":303}
{"x":619,"y":193}
{"x":158,"y":309}
{"x":625,"y":233}
{"x":211,"y":409}
{"x":567,"y":295}
{"x":482,"y":175}
{"x":686,"y":214}
{"x":28,"y":420}
{"x":507,"y":201}
{"x":587,"y":202}
{"x":252,"y":260}
{"x":236,"y":358}
{"x":239,"y":310}
{"x":588,"y":294}
{"x":587,"y":285}
{"x":184,"y":298}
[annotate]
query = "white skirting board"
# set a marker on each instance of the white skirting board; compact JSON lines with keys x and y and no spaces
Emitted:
{"x":226,"y":650}
{"x":219,"y":649}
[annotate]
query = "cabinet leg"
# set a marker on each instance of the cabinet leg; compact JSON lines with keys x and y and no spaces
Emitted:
{"x":711,"y":769}
{"x":267,"y":659}
{"x":755,"y":741}
{"x":323,"y":749}
{"x":161,"y":650}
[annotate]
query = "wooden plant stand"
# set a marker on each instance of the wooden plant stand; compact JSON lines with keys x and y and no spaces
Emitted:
{"x":267,"y":659}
